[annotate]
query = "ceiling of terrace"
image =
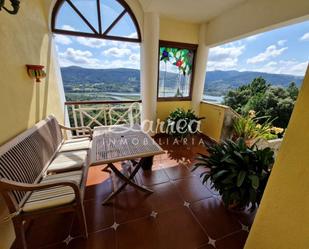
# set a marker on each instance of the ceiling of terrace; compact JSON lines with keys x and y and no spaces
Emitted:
{"x":195,"y":11}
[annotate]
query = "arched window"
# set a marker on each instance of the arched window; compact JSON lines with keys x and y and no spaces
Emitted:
{"x":105,"y":19}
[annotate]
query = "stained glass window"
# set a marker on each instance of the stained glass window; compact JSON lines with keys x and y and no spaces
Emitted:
{"x":176,"y":64}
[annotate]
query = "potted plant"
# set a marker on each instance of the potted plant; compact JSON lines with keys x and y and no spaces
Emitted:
{"x":238,"y":172}
{"x":249,"y":128}
{"x":180,"y":123}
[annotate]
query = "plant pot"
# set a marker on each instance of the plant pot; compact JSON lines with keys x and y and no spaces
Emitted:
{"x":250,"y":142}
{"x":235,"y":207}
{"x":147,"y":163}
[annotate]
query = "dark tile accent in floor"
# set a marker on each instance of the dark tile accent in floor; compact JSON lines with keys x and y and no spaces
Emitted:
{"x":177,"y":172}
{"x":179,"y":229}
{"x":182,"y":213}
{"x":156,"y":176}
{"x":98,"y":216}
{"x":165,"y":197}
{"x":191,"y":189}
{"x":215,"y":218}
{"x":139,"y":234}
{"x":131,"y":205}
{"x":99,"y":240}
{"x":233,"y":241}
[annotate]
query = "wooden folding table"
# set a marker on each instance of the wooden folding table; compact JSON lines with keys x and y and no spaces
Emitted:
{"x":122,"y":143}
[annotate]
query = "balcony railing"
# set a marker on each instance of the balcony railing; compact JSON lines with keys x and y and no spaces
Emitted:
{"x":103,"y":113}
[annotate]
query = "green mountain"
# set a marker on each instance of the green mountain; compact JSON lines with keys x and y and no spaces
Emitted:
{"x":218,"y":83}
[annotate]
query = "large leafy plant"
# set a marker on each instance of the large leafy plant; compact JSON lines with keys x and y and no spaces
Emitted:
{"x":238,"y":172}
{"x":181,"y":123}
{"x":250,"y":128}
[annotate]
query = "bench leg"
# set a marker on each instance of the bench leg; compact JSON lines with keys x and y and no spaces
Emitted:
{"x":82,"y":220}
{"x":20,"y":241}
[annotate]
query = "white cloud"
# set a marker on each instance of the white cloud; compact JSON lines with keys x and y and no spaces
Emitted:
{"x":78,"y":58}
{"x":224,"y":57}
{"x":253,"y":37}
{"x":62,"y":39}
{"x":130,"y":63}
{"x":73,"y":57}
{"x":134,"y":57}
{"x":79,"y":53}
{"x":91,"y":42}
{"x":100,"y":53}
{"x":117,"y":52}
{"x":133,"y":35}
{"x":292,"y":67}
{"x":305,"y":37}
{"x":270,"y":52}
{"x":100,"y":43}
{"x":67,"y":27}
{"x":281,"y":42}
{"x":121,"y":44}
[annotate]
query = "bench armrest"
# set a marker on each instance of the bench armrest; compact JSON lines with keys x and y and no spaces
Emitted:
{"x":8,"y":185}
{"x":77,"y":128}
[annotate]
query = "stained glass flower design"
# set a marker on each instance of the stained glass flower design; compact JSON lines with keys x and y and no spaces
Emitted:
{"x":176,"y":60}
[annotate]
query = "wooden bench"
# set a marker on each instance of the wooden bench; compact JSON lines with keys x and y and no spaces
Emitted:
{"x":41,"y":173}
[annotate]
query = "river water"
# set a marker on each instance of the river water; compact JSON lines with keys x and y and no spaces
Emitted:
{"x":126,"y":96}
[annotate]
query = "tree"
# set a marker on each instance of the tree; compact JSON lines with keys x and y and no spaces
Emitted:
{"x":237,"y":99}
{"x":276,"y":103}
{"x":293,"y":90}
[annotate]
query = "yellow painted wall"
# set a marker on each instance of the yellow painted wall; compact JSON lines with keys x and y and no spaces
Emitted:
{"x":24,"y":39}
{"x":214,"y":117}
{"x":177,"y":31}
{"x":164,"y":108}
{"x":283,"y":217}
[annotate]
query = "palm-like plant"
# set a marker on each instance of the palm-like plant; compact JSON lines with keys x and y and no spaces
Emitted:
{"x":238,"y":172}
{"x":248,"y":127}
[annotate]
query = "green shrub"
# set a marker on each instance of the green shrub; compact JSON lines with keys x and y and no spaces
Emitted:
{"x":180,"y":123}
{"x":238,"y":172}
{"x":267,"y":100}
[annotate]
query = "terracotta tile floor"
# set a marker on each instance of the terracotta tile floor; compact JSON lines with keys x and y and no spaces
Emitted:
{"x":182,"y":213}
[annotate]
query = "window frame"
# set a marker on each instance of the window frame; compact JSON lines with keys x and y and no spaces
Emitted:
{"x":179,"y":45}
{"x":99,"y":34}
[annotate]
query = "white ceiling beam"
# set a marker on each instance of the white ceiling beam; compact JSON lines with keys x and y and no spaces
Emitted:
{"x":254,"y":16}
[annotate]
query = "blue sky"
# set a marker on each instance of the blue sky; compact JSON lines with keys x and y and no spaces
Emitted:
{"x":284,"y":50}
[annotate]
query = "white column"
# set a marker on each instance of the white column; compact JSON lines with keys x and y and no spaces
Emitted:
{"x":149,"y":67}
{"x":200,"y":70}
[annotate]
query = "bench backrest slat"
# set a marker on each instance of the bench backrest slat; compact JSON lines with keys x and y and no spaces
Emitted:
{"x":24,"y":158}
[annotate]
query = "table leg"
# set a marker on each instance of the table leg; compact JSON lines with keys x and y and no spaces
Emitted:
{"x":146,"y":163}
{"x":126,"y":181}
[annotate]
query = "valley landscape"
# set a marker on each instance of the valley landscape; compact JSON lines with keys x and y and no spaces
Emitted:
{"x":81,"y":84}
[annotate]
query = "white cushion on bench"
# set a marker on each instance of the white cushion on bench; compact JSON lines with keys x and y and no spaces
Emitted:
{"x":56,"y":196}
{"x":67,"y":161}
{"x":76,"y":144}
